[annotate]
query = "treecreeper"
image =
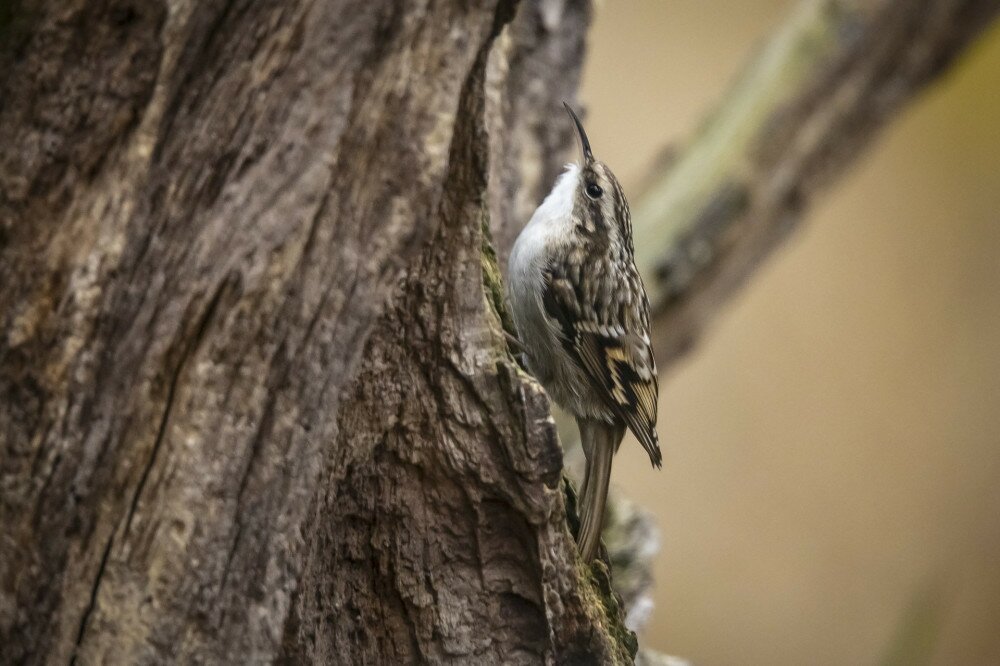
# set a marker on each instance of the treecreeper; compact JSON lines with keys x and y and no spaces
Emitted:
{"x":582,"y":319}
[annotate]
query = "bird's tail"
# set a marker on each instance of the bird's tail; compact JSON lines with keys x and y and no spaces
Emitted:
{"x":600,"y":442}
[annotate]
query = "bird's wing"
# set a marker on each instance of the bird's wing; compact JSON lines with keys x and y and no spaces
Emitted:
{"x":614,"y":354}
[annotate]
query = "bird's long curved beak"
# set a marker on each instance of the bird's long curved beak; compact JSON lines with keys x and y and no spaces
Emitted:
{"x":588,"y":155}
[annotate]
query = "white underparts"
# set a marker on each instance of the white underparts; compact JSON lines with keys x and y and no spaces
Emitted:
{"x":559,"y":203}
{"x":550,"y":225}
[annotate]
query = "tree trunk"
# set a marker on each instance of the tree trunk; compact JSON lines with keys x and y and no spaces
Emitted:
{"x":255,"y":401}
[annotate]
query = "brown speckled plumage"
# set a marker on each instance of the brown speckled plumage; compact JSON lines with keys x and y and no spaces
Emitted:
{"x":583,"y":318}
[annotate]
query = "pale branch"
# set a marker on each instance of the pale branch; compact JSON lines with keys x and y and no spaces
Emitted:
{"x":816,"y":95}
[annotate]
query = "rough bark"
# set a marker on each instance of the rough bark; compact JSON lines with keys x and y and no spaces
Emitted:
{"x":255,"y":401}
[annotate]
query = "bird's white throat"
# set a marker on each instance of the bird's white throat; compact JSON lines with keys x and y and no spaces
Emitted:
{"x":549,"y":226}
{"x":559,"y":204}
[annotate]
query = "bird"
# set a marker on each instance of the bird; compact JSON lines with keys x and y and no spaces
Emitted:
{"x":581,"y":314}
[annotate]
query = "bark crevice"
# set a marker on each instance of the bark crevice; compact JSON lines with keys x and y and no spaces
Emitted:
{"x":272,"y":204}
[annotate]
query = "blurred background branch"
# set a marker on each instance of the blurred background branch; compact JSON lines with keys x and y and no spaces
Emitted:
{"x":796,"y":117}
{"x":801,"y":110}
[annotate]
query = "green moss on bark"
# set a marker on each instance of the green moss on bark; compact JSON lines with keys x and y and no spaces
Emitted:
{"x":596,"y":577}
{"x":493,"y":279}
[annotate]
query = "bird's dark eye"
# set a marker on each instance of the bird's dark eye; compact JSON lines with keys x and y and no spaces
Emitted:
{"x":594,"y":191}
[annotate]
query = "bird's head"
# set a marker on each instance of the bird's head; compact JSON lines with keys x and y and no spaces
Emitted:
{"x":599,"y":205}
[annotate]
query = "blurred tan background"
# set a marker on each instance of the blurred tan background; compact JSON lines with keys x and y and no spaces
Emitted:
{"x":832,"y":473}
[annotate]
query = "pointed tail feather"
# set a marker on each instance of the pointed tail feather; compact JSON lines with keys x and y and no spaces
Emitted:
{"x":600,"y":441}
